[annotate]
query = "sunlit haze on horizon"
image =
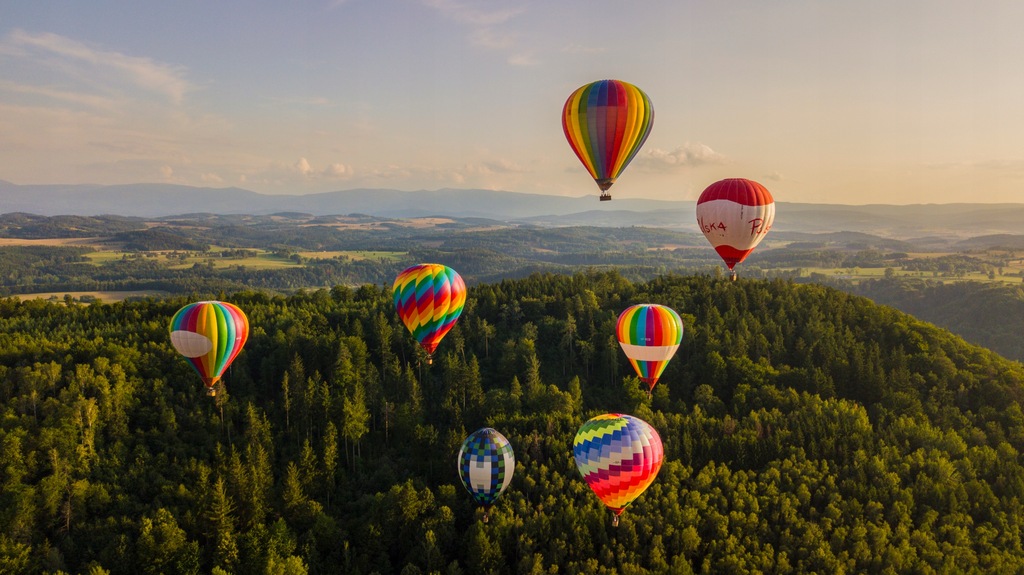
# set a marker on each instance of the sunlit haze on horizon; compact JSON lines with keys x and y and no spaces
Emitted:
{"x":822,"y":102}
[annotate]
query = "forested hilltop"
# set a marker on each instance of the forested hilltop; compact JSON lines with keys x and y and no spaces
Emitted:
{"x":805,"y":430}
{"x":983,"y":313}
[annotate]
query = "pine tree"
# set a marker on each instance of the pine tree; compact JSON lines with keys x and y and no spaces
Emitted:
{"x":356,"y":418}
{"x":220,"y":517}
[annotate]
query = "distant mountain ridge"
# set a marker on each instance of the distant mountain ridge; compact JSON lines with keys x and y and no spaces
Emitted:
{"x":149,"y":200}
{"x":157,"y":200}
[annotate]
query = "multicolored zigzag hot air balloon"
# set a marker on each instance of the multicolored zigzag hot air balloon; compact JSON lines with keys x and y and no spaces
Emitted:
{"x":606,"y":123}
{"x":486,"y":464}
{"x":735,"y":214}
{"x":618,"y":456}
{"x":649,"y":335}
{"x":209,"y":334}
{"x":429,"y":299}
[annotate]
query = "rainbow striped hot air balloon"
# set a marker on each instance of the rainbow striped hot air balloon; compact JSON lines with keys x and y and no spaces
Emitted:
{"x":735,"y":214}
{"x":209,"y":334}
{"x":606,"y":123}
{"x":486,"y":464}
{"x":429,"y":299}
{"x":649,"y":335}
{"x":618,"y":456}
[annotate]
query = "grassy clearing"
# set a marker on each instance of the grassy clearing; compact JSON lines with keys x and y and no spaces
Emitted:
{"x":102,"y":296}
{"x":358,"y":255}
{"x":48,"y":242}
{"x":324,"y":255}
{"x":861,"y":274}
{"x":259,"y":260}
{"x":104,"y":256}
{"x":256,"y":259}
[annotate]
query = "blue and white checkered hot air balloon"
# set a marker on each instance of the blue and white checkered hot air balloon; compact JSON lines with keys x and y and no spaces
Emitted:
{"x":486,"y":464}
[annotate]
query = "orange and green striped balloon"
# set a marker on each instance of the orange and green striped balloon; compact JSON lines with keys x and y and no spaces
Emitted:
{"x":429,"y":298}
{"x":619,"y":456}
{"x":606,"y":122}
{"x":649,"y":335}
{"x":210,"y":334}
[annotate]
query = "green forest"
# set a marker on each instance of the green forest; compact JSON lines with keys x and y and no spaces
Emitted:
{"x":806,"y":430}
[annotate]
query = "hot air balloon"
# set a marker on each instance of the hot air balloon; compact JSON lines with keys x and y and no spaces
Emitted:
{"x":649,"y":335}
{"x":429,"y":299}
{"x":606,"y":123}
{"x":618,"y":456}
{"x":735,"y":214}
{"x":209,"y":334}
{"x":486,"y":464}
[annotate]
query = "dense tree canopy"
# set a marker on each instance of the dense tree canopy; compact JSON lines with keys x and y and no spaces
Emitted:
{"x":805,"y":430}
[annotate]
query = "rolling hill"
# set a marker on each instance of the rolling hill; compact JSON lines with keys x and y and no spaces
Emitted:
{"x":942,"y":222}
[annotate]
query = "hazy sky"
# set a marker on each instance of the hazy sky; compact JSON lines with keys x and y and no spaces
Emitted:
{"x":831,"y":101}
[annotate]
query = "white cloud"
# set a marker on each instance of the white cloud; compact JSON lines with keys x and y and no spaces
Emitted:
{"x":37,"y":93}
{"x":481,"y":13}
{"x":302,"y":166}
{"x":485,"y":20}
{"x":686,"y":156}
{"x":70,"y":55}
{"x":337,"y":170}
{"x":492,"y":39}
{"x":523,"y":60}
{"x":581,"y":49}
{"x":501,"y":166}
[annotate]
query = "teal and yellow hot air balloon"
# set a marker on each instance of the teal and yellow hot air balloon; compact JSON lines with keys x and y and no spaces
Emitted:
{"x":606,"y":123}
{"x":429,"y":298}
{"x":619,"y":456}
{"x":486,"y":464}
{"x":210,"y":334}
{"x":649,"y":335}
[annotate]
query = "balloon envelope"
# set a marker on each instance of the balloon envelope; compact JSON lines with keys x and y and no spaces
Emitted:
{"x":735,"y":214}
{"x":486,"y":464}
{"x":649,"y":335}
{"x":429,"y":298}
{"x":606,"y":122}
{"x":210,"y":334}
{"x":618,"y":456}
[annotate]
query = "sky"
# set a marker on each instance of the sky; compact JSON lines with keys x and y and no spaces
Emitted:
{"x":821,"y":101}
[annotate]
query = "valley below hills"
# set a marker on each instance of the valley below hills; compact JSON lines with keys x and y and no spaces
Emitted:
{"x":970,"y":284}
{"x":112,"y":242}
{"x":805,"y":428}
{"x":936,"y":223}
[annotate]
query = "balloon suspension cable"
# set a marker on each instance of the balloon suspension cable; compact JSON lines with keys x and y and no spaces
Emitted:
{"x":650,"y":386}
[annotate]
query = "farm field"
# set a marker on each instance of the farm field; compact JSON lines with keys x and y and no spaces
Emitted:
{"x":249,"y":258}
{"x":855,"y":275}
{"x":101,"y":296}
{"x":355,"y":255}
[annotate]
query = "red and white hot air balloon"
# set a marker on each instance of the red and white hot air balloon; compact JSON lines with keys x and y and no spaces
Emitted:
{"x":735,"y":214}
